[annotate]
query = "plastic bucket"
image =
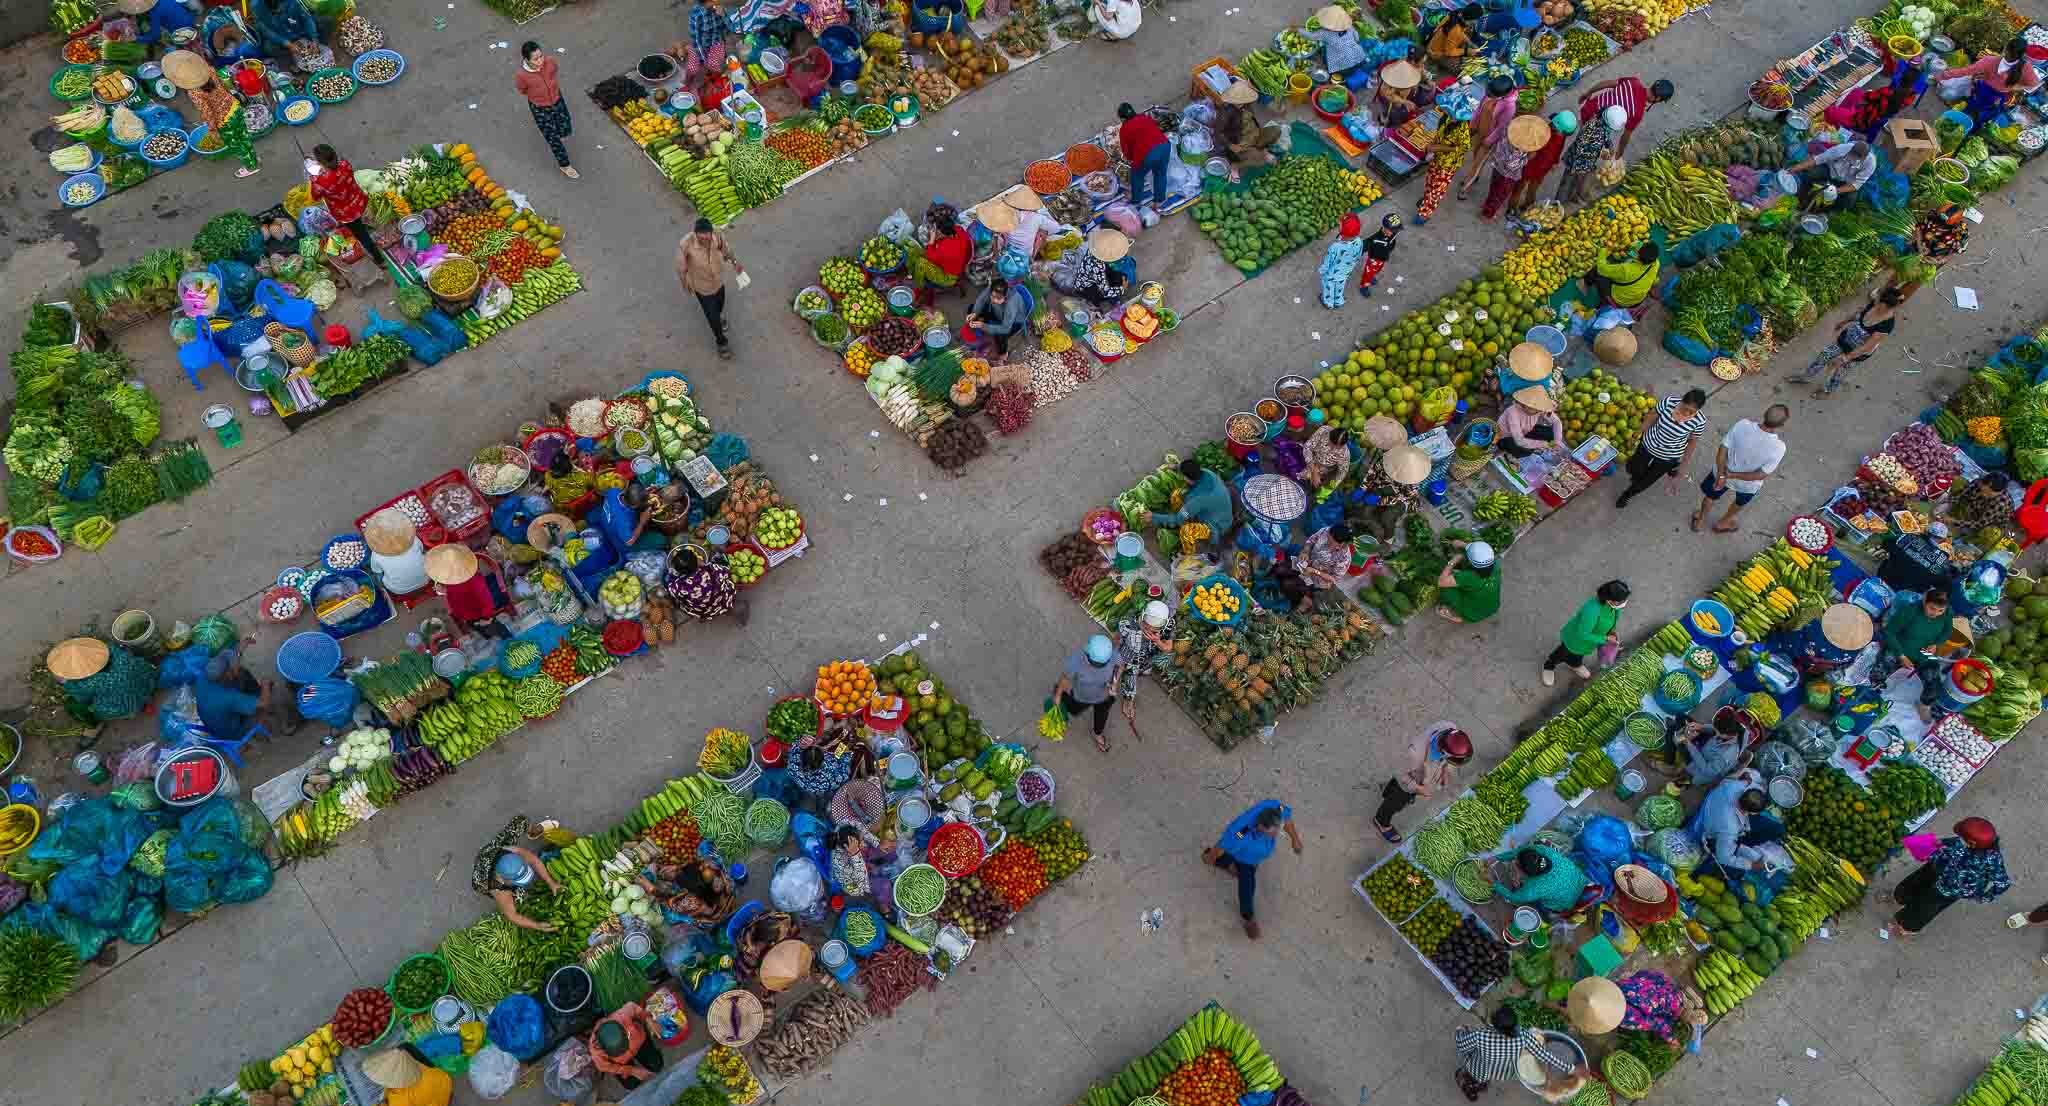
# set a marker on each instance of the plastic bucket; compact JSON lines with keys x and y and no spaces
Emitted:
{"x":134,"y":630}
{"x":568,"y":989}
{"x":192,"y":775}
{"x":1549,"y":337}
{"x":1954,"y":696}
{"x":1522,"y":923}
{"x":1629,"y":784}
{"x":1130,"y":552}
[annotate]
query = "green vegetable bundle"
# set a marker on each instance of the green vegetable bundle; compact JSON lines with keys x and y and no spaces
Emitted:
{"x":616,"y":981}
{"x":36,"y":970}
{"x":1438,"y":847}
{"x":758,"y":173}
{"x":1657,"y":1055}
{"x":181,"y":470}
{"x":224,"y":236}
{"x":538,"y":695}
{"x":482,"y":960}
{"x":1626,"y":1074}
{"x":1215,"y":457}
{"x":131,"y":485}
{"x":47,"y":326}
{"x":36,"y":446}
{"x":1476,"y":822}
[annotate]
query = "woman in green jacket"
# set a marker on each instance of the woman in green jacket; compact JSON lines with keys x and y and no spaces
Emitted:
{"x":1588,"y":630}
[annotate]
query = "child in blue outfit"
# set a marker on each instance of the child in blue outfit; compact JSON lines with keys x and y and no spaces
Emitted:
{"x":1337,"y":262}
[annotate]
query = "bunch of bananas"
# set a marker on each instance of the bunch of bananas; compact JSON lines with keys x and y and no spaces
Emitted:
{"x":1725,"y":980}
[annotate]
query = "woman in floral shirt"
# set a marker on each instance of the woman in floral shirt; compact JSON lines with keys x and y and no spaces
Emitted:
{"x":1969,"y":865}
{"x":1583,"y":154}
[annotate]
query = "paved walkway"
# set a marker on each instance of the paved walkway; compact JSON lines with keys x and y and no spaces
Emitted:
{"x":1079,"y":987}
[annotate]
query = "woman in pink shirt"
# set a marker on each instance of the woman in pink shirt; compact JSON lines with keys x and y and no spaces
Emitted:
{"x":1489,"y":125}
{"x":539,"y":82}
{"x":1530,"y":424}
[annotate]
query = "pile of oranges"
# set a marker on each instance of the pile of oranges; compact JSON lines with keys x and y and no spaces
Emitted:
{"x":844,"y":687}
{"x":1211,"y":1079}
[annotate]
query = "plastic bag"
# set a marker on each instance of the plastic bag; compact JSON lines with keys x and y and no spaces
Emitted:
{"x":516,"y":1025}
{"x":90,"y":895}
{"x":177,"y":720}
{"x":93,"y":828}
{"x":444,"y":330}
{"x":135,"y":795}
{"x":137,"y":765}
{"x":140,"y":920}
{"x":1438,"y":403}
{"x":1603,"y":844}
{"x":492,"y":1072}
{"x":84,"y":937}
{"x":494,"y":299}
{"x":1182,"y":178}
{"x":329,"y":701}
{"x":796,"y":886}
{"x":1123,"y":217}
{"x":568,"y":1075}
{"x":183,"y":667}
{"x":898,"y":227}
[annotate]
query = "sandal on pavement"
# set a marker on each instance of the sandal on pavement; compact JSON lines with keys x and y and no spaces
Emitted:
{"x":1101,"y":743}
{"x":1392,"y":835}
{"x":1697,"y":518}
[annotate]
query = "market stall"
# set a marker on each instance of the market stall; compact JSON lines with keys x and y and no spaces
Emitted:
{"x":1787,"y":647}
{"x":959,"y":834}
{"x":793,"y":98}
{"x":124,"y":114}
{"x":895,"y":325}
{"x":1212,"y":1058}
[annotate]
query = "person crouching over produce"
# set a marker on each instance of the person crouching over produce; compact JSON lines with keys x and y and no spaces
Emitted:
{"x":1086,"y":272}
{"x":623,"y":514}
{"x":621,"y":1044}
{"x":819,"y":773}
{"x":1379,"y":249}
{"x":1239,"y":134}
{"x":507,"y":871}
{"x":219,"y":108}
{"x":1710,"y":752}
{"x":1434,"y":760}
{"x":696,"y":891}
{"x":473,"y":598}
{"x":1468,"y":589}
{"x":1207,"y":501}
{"x":1911,"y":633}
{"x":407,"y":1081}
{"x":997,"y":316}
{"x":1323,"y":559}
{"x":704,"y":589}
{"x":1550,"y":880}
{"x":849,"y":861}
{"x":1487,"y":1053}
{"x":946,"y":253}
{"x":1530,"y":424}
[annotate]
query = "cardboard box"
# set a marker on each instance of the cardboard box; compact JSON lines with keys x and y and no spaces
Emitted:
{"x":1910,"y":144}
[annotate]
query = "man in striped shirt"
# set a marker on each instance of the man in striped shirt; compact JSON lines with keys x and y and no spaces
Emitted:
{"x":1669,"y":434}
{"x":1631,"y":96}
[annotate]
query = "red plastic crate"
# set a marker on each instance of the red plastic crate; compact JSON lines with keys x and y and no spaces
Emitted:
{"x":431,"y":533}
{"x":462,"y":531}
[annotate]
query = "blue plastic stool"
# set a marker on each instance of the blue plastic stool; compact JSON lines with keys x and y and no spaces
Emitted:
{"x":233,"y":748}
{"x":194,"y":357}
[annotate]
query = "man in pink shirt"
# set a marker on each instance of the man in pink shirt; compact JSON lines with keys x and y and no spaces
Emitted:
{"x":1628,"y":94}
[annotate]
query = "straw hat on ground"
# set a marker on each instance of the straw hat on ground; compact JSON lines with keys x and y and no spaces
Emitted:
{"x":1846,"y":627}
{"x":1107,"y":244}
{"x":389,"y":532}
{"x":998,"y":217}
{"x":1401,"y":76}
{"x":1535,"y":398}
{"x":1383,"y":432}
{"x":1640,"y":884}
{"x":544,"y":532}
{"x":1528,"y":133}
{"x":785,"y":965}
{"x":392,"y":1069}
{"x":1406,"y":464}
{"x":135,"y":7}
{"x":186,"y":69}
{"x":1240,"y":92}
{"x":1023,"y":198}
{"x":1596,"y":1005}
{"x":1333,"y":18}
{"x":77,"y":658}
{"x":735,"y":1018}
{"x":1529,"y":361}
{"x":450,"y":564}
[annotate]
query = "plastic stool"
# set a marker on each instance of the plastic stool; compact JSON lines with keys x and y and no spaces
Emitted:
{"x":194,"y":357}
{"x":292,"y":311}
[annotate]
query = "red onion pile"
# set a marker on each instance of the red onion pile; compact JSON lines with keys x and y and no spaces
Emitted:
{"x":1010,"y":408}
{"x":362,"y":1017}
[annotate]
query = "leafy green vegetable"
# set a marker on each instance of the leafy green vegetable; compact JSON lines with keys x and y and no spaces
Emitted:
{"x":36,"y":970}
{"x":131,"y":485}
{"x":48,"y":326}
{"x":224,"y":236}
{"x":36,"y":446}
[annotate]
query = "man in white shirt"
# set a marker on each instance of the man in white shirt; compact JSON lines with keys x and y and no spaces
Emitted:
{"x":1750,"y":452}
{"x":1850,"y":167}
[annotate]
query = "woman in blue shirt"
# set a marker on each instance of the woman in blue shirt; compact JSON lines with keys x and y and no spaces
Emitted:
{"x":1245,"y":844}
{"x":818,"y":773}
{"x":276,"y":24}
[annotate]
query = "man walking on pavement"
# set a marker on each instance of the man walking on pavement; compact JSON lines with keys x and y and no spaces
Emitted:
{"x":1246,"y":843}
{"x":700,"y":265}
{"x":1668,"y":434}
{"x":1749,"y":452}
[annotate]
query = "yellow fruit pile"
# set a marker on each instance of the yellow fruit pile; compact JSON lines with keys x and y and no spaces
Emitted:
{"x":843,"y":687}
{"x":1541,"y":265}
{"x":1599,"y":403}
{"x":1657,"y":14}
{"x":1216,"y":602}
{"x":1361,"y":185}
{"x":302,"y":1065}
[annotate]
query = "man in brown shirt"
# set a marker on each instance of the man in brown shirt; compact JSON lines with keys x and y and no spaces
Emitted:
{"x":700,"y":265}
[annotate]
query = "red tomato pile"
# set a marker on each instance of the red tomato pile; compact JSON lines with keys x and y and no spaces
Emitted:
{"x":560,"y":664}
{"x":362,"y":1017}
{"x":28,"y":543}
{"x":1016,"y":874}
{"x":1211,"y":1079}
{"x":511,"y":263}
{"x":677,"y":836}
{"x":953,"y":852}
{"x":465,"y":233}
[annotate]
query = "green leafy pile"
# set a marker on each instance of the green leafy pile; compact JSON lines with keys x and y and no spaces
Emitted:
{"x":131,"y":485}
{"x":48,"y":325}
{"x":224,"y":236}
{"x":36,"y":970}
{"x":1708,"y":300}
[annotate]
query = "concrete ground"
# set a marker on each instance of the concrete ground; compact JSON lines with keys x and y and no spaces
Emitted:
{"x":1079,"y":987}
